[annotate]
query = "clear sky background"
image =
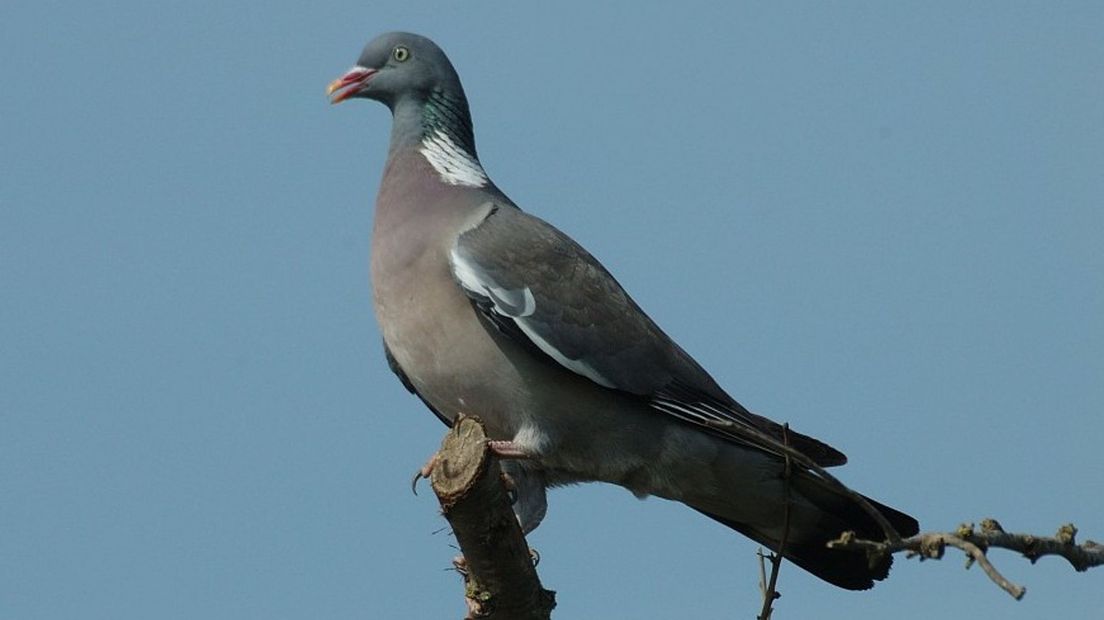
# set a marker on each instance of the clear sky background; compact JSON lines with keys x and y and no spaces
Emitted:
{"x":882,"y":224}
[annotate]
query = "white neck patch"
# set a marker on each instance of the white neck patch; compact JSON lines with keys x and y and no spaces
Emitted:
{"x":455,"y":165}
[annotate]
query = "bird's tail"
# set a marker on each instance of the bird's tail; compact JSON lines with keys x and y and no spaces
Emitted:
{"x":821,"y":514}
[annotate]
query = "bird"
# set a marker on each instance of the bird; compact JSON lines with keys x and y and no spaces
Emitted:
{"x":487,"y":310}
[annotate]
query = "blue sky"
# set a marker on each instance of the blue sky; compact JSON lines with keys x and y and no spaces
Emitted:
{"x":880,"y":224}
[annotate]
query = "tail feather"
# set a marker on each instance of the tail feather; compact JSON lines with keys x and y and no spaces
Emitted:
{"x":852,"y":570}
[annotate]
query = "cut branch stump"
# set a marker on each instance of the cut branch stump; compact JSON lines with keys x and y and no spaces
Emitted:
{"x":500,"y":578}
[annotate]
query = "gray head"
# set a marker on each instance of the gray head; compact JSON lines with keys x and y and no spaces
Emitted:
{"x":395,"y":67}
{"x":413,"y":77}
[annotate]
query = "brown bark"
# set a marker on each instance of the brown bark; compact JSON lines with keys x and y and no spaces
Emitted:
{"x":500,"y":579}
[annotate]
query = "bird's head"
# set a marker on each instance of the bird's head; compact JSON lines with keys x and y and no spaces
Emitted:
{"x":394,"y":66}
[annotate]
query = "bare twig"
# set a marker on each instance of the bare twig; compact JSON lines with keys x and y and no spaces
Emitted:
{"x":769,"y":588}
{"x":500,"y":580}
{"x":977,"y":542}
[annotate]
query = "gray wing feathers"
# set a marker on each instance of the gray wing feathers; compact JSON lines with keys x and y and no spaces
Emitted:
{"x":563,"y":300}
{"x":536,"y":284}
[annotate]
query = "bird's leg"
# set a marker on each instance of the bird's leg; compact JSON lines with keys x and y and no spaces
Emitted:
{"x":505,"y":449}
{"x":424,"y":472}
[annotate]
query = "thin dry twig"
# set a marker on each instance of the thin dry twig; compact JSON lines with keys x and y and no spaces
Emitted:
{"x":770,"y":588}
{"x":977,"y":542}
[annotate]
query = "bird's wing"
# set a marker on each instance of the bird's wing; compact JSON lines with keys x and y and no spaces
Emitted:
{"x":542,"y":289}
{"x":393,"y":364}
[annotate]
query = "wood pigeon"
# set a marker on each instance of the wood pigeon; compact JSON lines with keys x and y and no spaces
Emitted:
{"x":489,"y":311}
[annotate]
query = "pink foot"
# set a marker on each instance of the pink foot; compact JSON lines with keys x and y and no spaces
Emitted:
{"x":508,"y":450}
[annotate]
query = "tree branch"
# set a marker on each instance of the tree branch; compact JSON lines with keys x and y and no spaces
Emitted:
{"x":500,"y":578}
{"x":932,"y":544}
{"x":977,"y":542}
{"x":769,"y":587}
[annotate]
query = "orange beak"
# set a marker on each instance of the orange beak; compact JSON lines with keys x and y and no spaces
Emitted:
{"x":350,"y":84}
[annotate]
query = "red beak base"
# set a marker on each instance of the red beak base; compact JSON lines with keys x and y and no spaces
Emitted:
{"x":349,"y":84}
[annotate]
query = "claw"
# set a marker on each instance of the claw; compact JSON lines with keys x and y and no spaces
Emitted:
{"x":424,"y":472}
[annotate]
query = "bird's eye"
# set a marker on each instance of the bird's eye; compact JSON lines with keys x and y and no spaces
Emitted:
{"x":400,"y":53}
